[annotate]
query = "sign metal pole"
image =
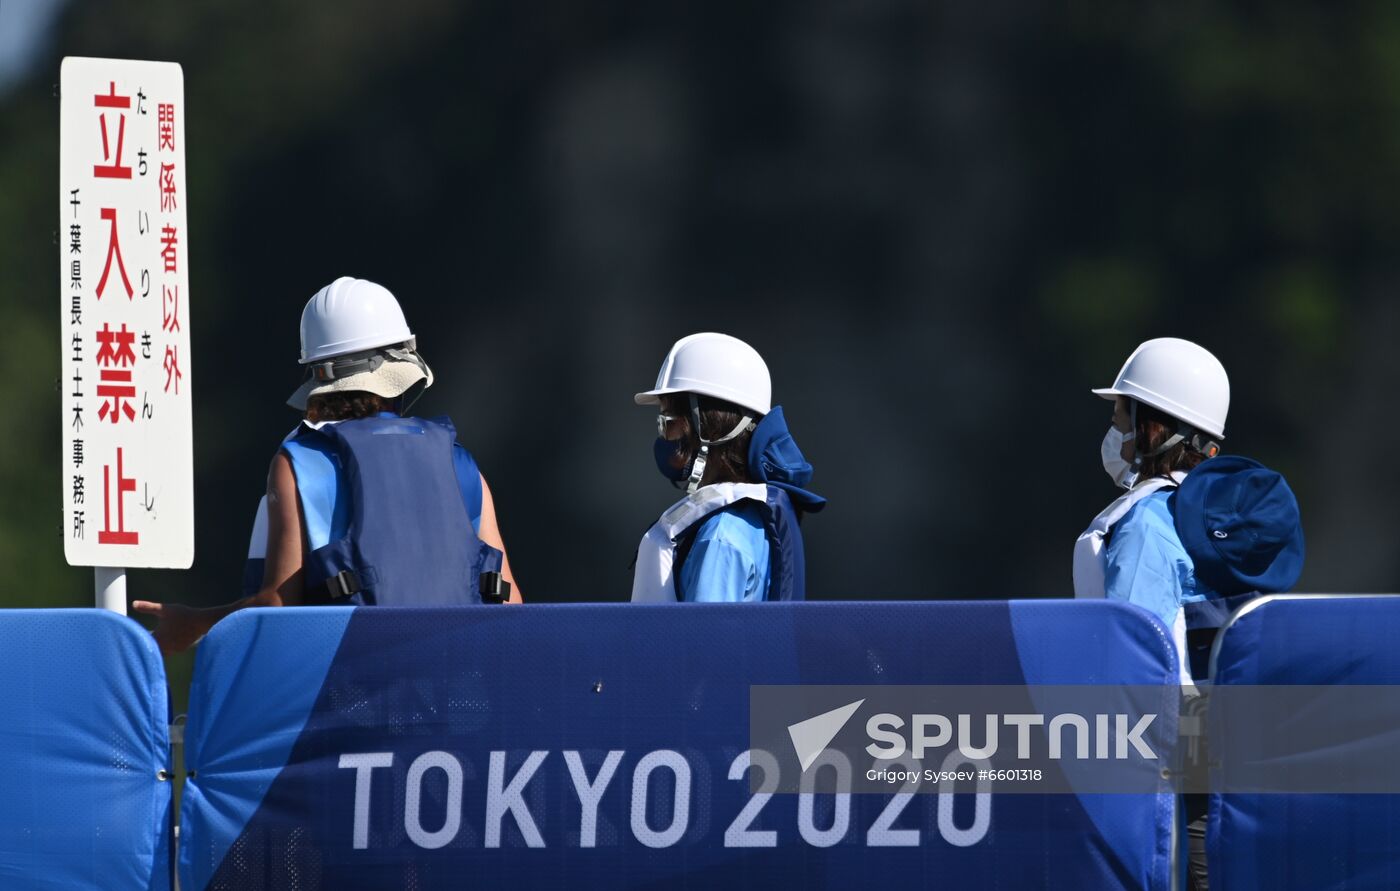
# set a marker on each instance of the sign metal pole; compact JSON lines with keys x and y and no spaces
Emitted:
{"x":111,"y":588}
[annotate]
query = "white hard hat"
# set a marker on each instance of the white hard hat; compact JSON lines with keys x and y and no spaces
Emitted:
{"x":350,"y":315}
{"x":1178,"y":377}
{"x":717,"y":365}
{"x":354,"y":318}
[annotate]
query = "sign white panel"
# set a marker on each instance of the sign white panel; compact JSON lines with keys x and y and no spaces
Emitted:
{"x":127,"y":459}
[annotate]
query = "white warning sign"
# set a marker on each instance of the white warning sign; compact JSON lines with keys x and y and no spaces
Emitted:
{"x":127,"y":460}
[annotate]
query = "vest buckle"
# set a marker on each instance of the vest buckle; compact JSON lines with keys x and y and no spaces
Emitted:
{"x":343,"y":584}
{"x":493,"y":588}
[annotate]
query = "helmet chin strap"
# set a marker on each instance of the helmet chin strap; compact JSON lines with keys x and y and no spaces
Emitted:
{"x":697,"y":470}
{"x":697,"y":464}
{"x":411,"y":396}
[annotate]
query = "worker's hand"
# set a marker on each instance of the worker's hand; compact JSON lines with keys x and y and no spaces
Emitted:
{"x":178,"y":627}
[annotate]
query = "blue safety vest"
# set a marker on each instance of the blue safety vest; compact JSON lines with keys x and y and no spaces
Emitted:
{"x":390,"y":507}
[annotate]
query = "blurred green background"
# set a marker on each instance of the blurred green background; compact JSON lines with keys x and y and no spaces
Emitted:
{"x":940,"y":224}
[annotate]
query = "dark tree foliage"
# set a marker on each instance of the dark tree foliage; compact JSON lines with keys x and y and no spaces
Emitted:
{"x":941,"y":225}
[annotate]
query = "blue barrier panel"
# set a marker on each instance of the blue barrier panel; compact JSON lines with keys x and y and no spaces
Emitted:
{"x":339,"y":747}
{"x":1315,"y":841}
{"x":83,"y":744}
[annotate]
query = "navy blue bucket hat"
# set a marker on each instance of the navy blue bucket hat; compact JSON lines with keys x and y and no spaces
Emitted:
{"x":1239,"y":523}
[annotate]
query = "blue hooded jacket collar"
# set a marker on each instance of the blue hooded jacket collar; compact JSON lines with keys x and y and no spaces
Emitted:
{"x":775,"y":459}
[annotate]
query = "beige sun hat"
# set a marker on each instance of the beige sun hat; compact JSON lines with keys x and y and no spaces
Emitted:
{"x":392,"y":378}
{"x":354,"y":338}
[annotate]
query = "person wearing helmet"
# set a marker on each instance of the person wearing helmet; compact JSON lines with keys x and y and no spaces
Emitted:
{"x":1195,"y":535}
{"x":735,"y":535}
{"x":364,"y":505}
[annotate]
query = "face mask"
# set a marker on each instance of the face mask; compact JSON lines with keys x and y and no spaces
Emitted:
{"x":1112,"y":454}
{"x":665,"y":452}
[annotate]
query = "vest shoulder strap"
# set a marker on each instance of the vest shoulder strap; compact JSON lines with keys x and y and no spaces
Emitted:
{"x":320,"y":480}
{"x":468,"y":482}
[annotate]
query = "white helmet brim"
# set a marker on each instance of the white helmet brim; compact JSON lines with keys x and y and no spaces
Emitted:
{"x":1161,"y":403}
